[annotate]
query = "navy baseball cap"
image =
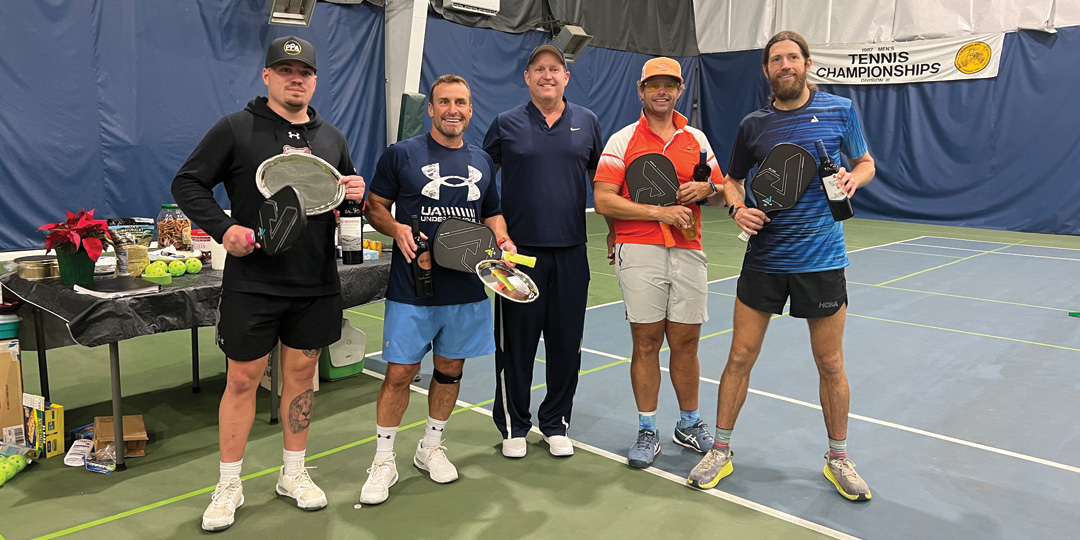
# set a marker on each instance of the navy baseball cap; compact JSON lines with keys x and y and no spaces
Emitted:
{"x":290,"y":48}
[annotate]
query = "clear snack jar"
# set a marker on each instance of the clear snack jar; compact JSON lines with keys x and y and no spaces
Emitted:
{"x":173,"y":228}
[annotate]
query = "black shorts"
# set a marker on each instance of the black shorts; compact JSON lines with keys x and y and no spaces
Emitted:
{"x":250,"y":324}
{"x":813,"y":294}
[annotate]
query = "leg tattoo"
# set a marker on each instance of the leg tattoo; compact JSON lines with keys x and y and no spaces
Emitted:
{"x":300,"y":411}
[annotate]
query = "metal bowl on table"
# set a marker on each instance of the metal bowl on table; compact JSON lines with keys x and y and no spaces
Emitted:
{"x":36,"y":267}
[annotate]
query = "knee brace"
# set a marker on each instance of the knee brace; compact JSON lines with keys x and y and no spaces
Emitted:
{"x":443,"y":378}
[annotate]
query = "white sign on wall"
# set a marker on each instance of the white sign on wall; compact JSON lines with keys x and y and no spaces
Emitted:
{"x":948,"y":59}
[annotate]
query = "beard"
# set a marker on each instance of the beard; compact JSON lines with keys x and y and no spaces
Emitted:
{"x":788,"y":90}
{"x":294,"y":102}
{"x":451,"y":131}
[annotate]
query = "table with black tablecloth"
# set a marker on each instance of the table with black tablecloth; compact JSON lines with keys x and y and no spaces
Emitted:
{"x":61,"y":316}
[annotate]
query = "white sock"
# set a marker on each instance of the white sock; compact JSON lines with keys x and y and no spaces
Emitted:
{"x":293,"y":460}
{"x":228,"y":471}
{"x":384,"y":441}
{"x":433,"y":433}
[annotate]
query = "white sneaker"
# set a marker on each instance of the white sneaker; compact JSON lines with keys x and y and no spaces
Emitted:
{"x":514,"y":447}
{"x":381,"y":475}
{"x":227,"y":497}
{"x":560,"y":445}
{"x":433,"y":460}
{"x":298,"y":485}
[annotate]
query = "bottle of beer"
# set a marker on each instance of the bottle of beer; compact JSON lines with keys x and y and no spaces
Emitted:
{"x":839,"y":204}
{"x":351,"y":225}
{"x":421,"y":263}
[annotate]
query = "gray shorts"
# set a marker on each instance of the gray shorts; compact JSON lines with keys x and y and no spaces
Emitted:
{"x":663,"y":283}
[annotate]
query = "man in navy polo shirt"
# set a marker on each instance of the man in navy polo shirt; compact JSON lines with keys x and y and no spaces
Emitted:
{"x":547,"y":149}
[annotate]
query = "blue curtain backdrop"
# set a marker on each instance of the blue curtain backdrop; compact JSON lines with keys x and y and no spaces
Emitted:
{"x":998,"y":153}
{"x":105,"y":100}
{"x":493,"y":63}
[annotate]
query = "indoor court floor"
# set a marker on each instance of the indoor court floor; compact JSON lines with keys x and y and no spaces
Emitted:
{"x":963,"y":364}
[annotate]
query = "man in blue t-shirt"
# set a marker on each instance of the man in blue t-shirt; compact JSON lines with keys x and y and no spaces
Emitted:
{"x":798,"y":253}
{"x":547,"y":149}
{"x":432,"y":177}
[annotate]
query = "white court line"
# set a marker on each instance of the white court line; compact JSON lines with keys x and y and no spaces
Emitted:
{"x":996,"y":242}
{"x":771,"y":512}
{"x":884,"y":423}
{"x":1027,"y":255}
{"x":916,"y":431}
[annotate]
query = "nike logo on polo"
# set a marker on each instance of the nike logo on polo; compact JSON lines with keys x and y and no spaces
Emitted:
{"x":814,"y":119}
{"x":575,"y":129}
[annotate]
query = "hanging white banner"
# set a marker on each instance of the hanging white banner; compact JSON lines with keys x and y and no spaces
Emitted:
{"x":948,"y":59}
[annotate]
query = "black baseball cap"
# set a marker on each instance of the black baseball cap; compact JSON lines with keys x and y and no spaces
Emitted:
{"x":290,"y":48}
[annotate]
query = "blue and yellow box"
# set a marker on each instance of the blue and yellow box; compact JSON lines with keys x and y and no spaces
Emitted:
{"x":43,"y":423}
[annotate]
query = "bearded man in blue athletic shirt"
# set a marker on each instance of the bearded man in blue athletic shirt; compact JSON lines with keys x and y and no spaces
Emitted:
{"x":548,"y":149}
{"x":800,"y":254}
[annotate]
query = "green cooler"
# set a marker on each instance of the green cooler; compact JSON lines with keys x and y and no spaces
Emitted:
{"x":346,"y":357}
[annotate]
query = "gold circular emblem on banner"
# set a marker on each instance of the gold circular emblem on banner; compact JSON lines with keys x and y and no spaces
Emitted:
{"x":973,"y":57}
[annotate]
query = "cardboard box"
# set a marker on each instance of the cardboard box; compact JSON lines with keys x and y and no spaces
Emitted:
{"x":43,"y":423}
{"x":11,"y":391}
{"x":135,"y":437}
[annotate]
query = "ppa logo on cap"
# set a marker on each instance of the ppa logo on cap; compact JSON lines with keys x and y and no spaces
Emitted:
{"x":662,"y":66}
{"x":291,"y":47}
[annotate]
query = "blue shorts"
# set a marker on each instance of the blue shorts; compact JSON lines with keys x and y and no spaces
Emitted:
{"x":455,"y":331}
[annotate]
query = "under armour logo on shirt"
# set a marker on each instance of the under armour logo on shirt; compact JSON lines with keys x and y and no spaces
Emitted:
{"x":437,"y":181}
{"x":295,"y":135}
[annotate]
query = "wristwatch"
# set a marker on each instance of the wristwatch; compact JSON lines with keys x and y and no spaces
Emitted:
{"x":714,"y":190}
{"x":733,"y":209}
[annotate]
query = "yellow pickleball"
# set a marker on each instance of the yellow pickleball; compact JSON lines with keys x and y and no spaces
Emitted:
{"x":177,"y":268}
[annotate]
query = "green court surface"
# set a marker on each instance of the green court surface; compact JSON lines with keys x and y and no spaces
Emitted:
{"x":591,"y":495}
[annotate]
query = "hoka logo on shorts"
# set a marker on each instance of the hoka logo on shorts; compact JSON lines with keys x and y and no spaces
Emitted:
{"x":823,"y":305}
{"x":437,"y":181}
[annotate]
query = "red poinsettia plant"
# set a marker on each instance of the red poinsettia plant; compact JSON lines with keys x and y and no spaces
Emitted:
{"x":80,"y":230}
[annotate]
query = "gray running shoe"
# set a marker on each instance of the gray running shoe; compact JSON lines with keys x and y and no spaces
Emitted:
{"x":645,"y":449}
{"x":840,"y":472}
{"x":696,"y":437}
{"x":715,"y":465}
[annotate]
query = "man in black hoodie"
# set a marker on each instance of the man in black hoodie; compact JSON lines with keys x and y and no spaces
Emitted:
{"x":294,"y":296}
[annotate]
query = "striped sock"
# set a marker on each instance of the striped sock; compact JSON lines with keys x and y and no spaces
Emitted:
{"x":688,"y":418}
{"x":647,"y":420}
{"x":837,"y":448}
{"x":722,"y":439}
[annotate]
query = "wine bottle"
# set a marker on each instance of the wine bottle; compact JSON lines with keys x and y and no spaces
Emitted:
{"x":421,"y":263}
{"x":352,"y":232}
{"x":839,"y":204}
{"x":702,"y":172}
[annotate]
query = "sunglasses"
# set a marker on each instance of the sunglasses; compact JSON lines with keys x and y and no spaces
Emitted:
{"x":653,"y":86}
